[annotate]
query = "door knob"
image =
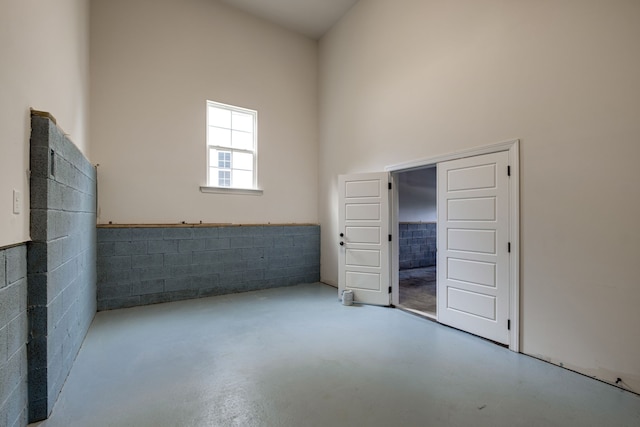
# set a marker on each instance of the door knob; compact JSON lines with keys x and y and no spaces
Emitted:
{"x":341,"y":234}
{"x":341,"y":243}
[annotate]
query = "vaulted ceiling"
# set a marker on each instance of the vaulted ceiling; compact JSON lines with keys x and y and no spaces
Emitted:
{"x":312,"y":18}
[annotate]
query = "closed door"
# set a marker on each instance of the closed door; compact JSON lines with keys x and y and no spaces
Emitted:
{"x":473,"y":245}
{"x":364,"y":237}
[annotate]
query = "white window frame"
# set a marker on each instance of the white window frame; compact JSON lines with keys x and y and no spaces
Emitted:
{"x":211,"y":187}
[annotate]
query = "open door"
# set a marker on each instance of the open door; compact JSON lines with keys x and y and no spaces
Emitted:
{"x":364,"y":265}
{"x":473,"y":245}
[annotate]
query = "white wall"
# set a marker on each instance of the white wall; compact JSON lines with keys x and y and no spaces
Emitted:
{"x":43,"y":65}
{"x":413,"y":79}
{"x":417,"y":195}
{"x":154,"y":63}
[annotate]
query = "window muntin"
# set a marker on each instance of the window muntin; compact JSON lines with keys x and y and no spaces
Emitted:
{"x":232,"y":146}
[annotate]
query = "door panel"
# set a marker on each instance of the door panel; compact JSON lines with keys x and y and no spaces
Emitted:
{"x":363,"y":221}
{"x":369,"y":235}
{"x":474,"y":272}
{"x":473,"y":304}
{"x":362,"y":212}
{"x":471,"y":209}
{"x":478,"y":177}
{"x":483,"y":241}
{"x":473,"y":234}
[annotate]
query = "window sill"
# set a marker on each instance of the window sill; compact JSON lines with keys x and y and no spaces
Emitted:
{"x":225,"y":190}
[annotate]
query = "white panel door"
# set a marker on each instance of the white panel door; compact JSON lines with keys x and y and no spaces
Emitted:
{"x":473,"y":245}
{"x":364,"y":243}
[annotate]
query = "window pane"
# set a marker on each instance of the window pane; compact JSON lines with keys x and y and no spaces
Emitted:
{"x":242,"y":140}
{"x":224,"y":159}
{"x":224,"y":178}
{"x":243,"y":161}
{"x":219,"y":117}
{"x":218,"y":136}
{"x":243,"y":121}
{"x":242,"y":179}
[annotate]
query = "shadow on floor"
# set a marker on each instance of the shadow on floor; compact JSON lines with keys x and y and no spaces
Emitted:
{"x":418,"y":289}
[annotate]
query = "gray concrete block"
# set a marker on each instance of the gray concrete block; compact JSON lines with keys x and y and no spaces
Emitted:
{"x":115,"y":263}
{"x":202,"y":282}
{"x":205,"y":269}
{"x":39,"y":224}
{"x":278,"y":262}
{"x":213,"y":291}
{"x":148,"y":287}
{"x":114,"y":234}
{"x":3,"y":270}
{"x":241,"y":242}
{"x":17,"y":333}
{"x":38,"y":192}
{"x":143,"y":261}
{"x":38,"y":409}
{"x":257,"y":264}
{"x":177,"y":259}
{"x":13,"y":299}
{"x":263,"y":242}
{"x":137,"y":247}
{"x":121,"y":277}
{"x":236,"y":265}
{"x":283,"y":241}
{"x":230,"y":278}
{"x":289,"y":251}
{"x":106,"y":249}
{"x":249,"y":275}
{"x":168,"y":296}
{"x":177,"y":284}
{"x":149,"y":273}
{"x":37,"y":260}
{"x":39,"y":131}
{"x":4,"y":349}
{"x":16,"y":263}
{"x":162,"y":246}
{"x":206,"y":232}
{"x":177,"y":233}
{"x":178,"y":271}
{"x":298,"y":229}
{"x":206,"y":257}
{"x":116,"y":303}
{"x":146,"y":233}
{"x":216,"y":244}
{"x":240,"y":231}
{"x":191,"y":245}
{"x":273,"y":230}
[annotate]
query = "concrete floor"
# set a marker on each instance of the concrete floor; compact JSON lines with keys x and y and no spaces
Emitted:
{"x":417,"y":288}
{"x":297,"y":357}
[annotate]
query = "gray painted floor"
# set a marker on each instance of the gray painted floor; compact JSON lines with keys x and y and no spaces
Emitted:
{"x":297,"y":357}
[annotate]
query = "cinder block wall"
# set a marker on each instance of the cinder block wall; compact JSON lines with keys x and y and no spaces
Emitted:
{"x":139,"y":266}
{"x":61,"y":260}
{"x":13,"y":336}
{"x":417,"y":245}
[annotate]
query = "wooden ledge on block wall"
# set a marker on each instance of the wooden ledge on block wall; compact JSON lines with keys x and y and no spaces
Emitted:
{"x":44,"y":114}
{"x":199,"y":225}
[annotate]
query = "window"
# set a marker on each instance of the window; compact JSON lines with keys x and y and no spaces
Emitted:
{"x":231,"y":146}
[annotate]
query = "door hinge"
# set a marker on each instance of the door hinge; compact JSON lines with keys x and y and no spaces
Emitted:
{"x":509,"y":247}
{"x":508,"y":170}
{"x":389,"y":237}
{"x":389,"y":186}
{"x":389,"y":289}
{"x":509,"y":325}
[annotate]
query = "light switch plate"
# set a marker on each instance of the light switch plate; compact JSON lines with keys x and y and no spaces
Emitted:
{"x":17,"y":201}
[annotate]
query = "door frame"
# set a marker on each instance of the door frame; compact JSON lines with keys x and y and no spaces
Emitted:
{"x":513,"y":148}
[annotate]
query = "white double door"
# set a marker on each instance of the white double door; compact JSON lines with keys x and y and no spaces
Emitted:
{"x":473,"y":289}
